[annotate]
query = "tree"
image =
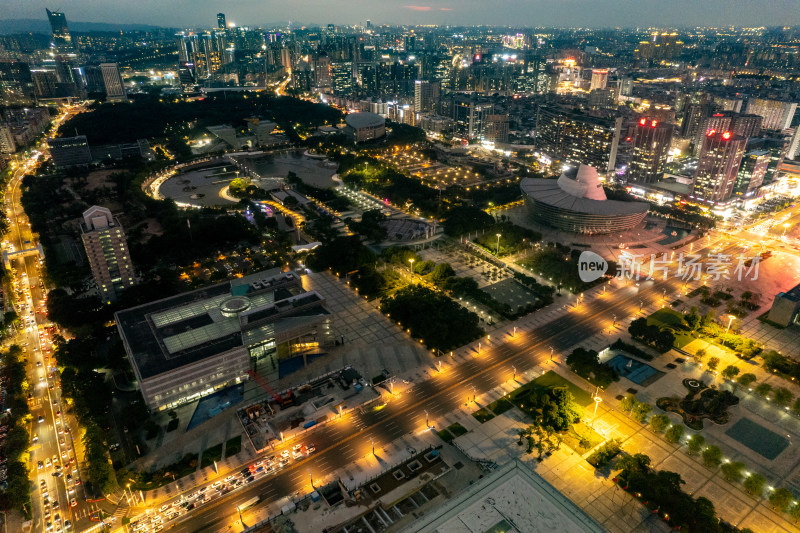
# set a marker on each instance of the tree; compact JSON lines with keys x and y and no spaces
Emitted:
{"x":796,"y":407}
{"x":782,"y":397}
{"x":441,"y":273}
{"x":628,"y":403}
{"x":780,"y":498}
{"x":641,"y":411}
{"x":659,"y":423}
{"x":730,"y":372}
{"x":692,"y":319}
{"x":638,"y":328}
{"x":745,"y":380}
{"x":733,"y":471}
{"x":754,"y":484}
{"x":629,"y":464}
{"x":674,"y":433}
{"x":696,"y":443}
{"x":713,"y":362}
{"x":699,"y":354}
{"x":712,"y":456}
{"x":794,"y":512}
{"x":763,"y":389}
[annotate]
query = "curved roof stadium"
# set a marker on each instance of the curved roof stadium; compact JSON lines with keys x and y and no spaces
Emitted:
{"x":365,"y":126}
{"x":577,"y":203}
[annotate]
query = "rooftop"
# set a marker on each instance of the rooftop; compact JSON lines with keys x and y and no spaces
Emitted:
{"x":364,"y":120}
{"x":179,"y":330}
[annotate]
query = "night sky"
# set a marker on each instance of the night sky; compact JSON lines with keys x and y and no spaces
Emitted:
{"x":574,"y":13}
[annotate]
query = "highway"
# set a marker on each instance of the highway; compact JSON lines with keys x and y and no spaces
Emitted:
{"x":341,"y":442}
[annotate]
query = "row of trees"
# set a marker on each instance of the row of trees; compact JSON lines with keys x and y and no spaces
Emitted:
{"x":661,"y":339}
{"x":586,"y":363}
{"x":553,"y":411}
{"x":14,"y":447}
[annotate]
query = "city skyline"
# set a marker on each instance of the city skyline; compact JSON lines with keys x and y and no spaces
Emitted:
{"x":539,"y":13}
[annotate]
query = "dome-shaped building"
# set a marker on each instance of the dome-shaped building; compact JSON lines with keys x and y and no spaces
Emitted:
{"x":576,"y":202}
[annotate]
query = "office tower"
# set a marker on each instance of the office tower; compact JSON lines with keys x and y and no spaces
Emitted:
{"x":62,"y":40}
{"x":69,"y":151}
{"x":794,"y":145}
{"x":496,"y":128}
{"x":599,"y":79}
{"x":107,"y":250}
{"x":602,"y":99}
{"x":369,"y":24}
{"x":574,"y":137}
{"x":751,"y":173}
{"x":69,"y":79}
{"x":342,"y":77}
{"x":743,"y":125}
{"x":720,"y":156}
{"x":426,"y":95}
{"x":469,"y":115}
{"x":777,"y":115}
{"x":322,"y":71}
{"x":651,"y":144}
{"x":221,"y":21}
{"x":45,"y":83}
{"x":112,"y":80}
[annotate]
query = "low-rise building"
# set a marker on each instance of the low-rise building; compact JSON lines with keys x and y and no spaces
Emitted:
{"x":193,"y":344}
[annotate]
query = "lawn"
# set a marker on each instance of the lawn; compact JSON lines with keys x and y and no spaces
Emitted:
{"x":211,"y":454}
{"x":482,"y":415}
{"x":500,"y":406}
{"x":673,"y":320}
{"x":451,"y":432}
{"x":551,"y":380}
{"x":582,"y":438}
{"x":233,"y":446}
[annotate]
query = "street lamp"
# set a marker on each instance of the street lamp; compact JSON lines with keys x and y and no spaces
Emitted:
{"x":474,"y":393}
{"x":515,"y":372}
{"x":515,"y":332}
{"x":372,"y":441}
{"x":427,"y":425}
{"x":412,"y":269}
{"x":551,"y":353}
{"x":498,"y":245}
{"x":730,"y":321}
{"x":785,"y":227}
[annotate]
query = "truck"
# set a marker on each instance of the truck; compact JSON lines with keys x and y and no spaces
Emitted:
{"x":248,"y":504}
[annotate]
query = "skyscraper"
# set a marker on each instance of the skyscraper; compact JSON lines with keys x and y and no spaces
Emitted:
{"x":112,"y":79}
{"x":651,"y":143}
{"x":777,"y":115}
{"x":599,"y":79}
{"x":62,"y":40}
{"x":751,"y":173}
{"x":744,"y":125}
{"x":322,"y":71}
{"x":426,"y":95}
{"x":221,"y":21}
{"x":107,"y":250}
{"x":720,"y":156}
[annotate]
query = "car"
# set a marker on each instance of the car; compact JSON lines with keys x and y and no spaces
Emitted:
{"x":38,"y":363}
{"x":47,"y":512}
{"x":67,"y":524}
{"x":57,"y":474}
{"x":42,"y":483}
{"x":41,"y":419}
{"x":48,"y":462}
{"x":40,"y":465}
{"x":68,"y":477}
{"x":49,"y":526}
{"x":73,"y":502}
{"x":55,"y":458}
{"x":35,"y":438}
{"x":55,"y":505}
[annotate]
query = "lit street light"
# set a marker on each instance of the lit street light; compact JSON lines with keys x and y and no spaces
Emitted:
{"x":372,"y":441}
{"x":498,"y":245}
{"x":551,"y":353}
{"x":515,"y":332}
{"x":427,"y":425}
{"x":731,"y":317}
{"x":515,"y":372}
{"x":412,"y":269}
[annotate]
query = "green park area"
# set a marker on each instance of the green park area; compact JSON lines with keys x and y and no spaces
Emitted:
{"x":512,"y":239}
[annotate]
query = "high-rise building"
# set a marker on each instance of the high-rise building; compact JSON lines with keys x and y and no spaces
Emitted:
{"x":469,"y":115}
{"x":62,"y":40}
{"x":651,"y":143}
{"x":107,"y":250}
{"x":720,"y":156}
{"x":221,"y":21}
{"x":777,"y":147}
{"x":496,"y":128}
{"x":426,"y":96}
{"x":659,"y":46}
{"x":112,"y":80}
{"x":45,"y":83}
{"x":777,"y":115}
{"x":573,"y":137}
{"x":286,"y":58}
{"x":599,"y":79}
{"x":69,"y":151}
{"x":322,"y":71}
{"x":751,"y":173}
{"x":743,"y":125}
{"x":7,"y":144}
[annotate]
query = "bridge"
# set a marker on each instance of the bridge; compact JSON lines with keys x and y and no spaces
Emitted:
{"x":7,"y":256}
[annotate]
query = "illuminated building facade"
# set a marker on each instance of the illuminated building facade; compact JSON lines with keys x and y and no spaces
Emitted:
{"x":599,"y":79}
{"x":190,"y":345}
{"x":651,"y":144}
{"x":777,"y":115}
{"x":751,"y":173}
{"x":720,"y":156}
{"x":577,"y":203}
{"x":573,"y":137}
